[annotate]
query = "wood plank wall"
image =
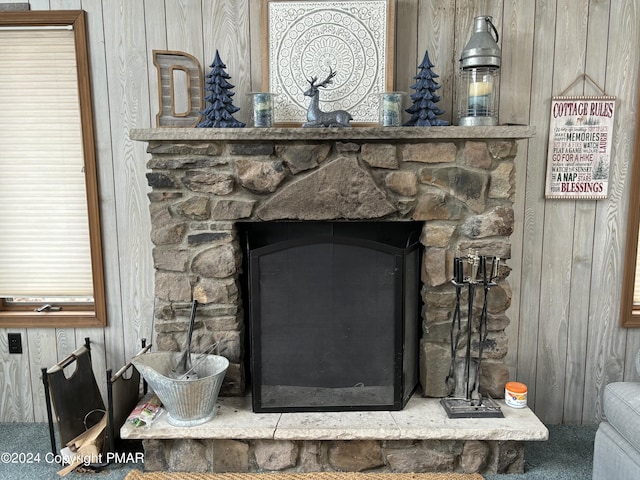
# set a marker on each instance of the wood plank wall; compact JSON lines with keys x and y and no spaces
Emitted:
{"x":567,"y":258}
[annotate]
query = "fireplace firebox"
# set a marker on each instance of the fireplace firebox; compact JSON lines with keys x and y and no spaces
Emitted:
{"x":334,"y":311}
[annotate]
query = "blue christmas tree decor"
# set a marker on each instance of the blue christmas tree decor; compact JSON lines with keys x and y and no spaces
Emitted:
{"x":424,"y":111}
{"x":220,"y":109}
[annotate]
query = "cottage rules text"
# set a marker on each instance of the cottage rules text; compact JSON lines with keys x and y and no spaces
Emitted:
{"x":580,"y":136}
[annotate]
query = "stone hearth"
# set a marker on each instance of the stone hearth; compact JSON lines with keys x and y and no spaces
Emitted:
{"x":459,"y":181}
{"x":419,"y":438}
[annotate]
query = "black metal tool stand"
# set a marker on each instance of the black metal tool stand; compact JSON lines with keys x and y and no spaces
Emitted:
{"x":472,"y":405}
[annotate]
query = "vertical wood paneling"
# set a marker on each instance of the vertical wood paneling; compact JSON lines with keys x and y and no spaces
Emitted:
{"x":595,"y":66}
{"x":65,"y":4}
{"x":534,"y":204}
{"x":557,"y":253}
{"x":35,"y":4}
{"x":16,"y":402}
{"x":42,"y":354}
{"x":606,"y":348}
{"x":517,"y":52}
{"x":255,"y":47}
{"x":184,"y":29}
{"x":565,"y":342}
{"x":184,"y":34}
{"x":156,"y":36}
{"x":107,"y":191}
{"x":406,"y":58}
{"x":127,"y":69}
{"x":226,"y":29}
{"x":436,"y":27}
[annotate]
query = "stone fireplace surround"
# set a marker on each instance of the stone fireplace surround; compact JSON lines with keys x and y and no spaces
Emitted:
{"x":459,"y":181}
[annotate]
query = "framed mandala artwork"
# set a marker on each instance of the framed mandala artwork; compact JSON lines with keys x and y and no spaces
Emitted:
{"x":311,"y":39}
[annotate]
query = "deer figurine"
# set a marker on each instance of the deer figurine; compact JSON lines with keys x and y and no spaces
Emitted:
{"x":318,"y":118}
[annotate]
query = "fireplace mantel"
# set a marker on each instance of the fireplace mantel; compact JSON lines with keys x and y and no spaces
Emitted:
{"x":314,"y":134}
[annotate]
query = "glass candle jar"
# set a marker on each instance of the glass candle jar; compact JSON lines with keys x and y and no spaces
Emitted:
{"x":262,"y":114}
{"x":391,"y":109}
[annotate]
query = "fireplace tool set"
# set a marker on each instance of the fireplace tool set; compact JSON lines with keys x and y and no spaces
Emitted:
{"x":463,"y":380}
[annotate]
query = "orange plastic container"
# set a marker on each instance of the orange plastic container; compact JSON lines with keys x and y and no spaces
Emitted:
{"x":515,"y":394}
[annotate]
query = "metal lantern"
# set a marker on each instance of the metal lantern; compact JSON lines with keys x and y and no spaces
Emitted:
{"x":480,"y":76}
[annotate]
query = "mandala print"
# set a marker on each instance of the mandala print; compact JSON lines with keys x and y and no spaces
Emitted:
{"x":308,"y":39}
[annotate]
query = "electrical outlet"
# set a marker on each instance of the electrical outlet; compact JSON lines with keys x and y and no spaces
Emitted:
{"x":15,"y":343}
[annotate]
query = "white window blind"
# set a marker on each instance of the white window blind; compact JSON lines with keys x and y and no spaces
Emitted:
{"x":44,"y":231}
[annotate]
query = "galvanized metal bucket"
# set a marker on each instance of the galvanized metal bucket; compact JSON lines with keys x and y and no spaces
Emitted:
{"x":188,"y":402}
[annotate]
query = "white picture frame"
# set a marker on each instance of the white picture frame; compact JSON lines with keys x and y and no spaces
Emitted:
{"x":304,"y":39}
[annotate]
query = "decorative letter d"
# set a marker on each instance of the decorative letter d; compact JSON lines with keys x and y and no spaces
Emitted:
{"x":169,"y":64}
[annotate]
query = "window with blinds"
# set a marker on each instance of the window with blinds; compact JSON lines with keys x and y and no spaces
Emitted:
{"x":49,"y":218}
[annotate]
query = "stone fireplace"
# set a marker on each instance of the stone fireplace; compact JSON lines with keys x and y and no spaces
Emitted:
{"x":458,"y":182}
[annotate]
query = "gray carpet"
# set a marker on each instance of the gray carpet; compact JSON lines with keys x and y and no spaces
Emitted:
{"x":567,"y":455}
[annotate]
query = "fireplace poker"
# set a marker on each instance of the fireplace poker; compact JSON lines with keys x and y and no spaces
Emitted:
{"x":482,"y":329}
{"x":458,"y":282}
{"x":184,"y":364}
{"x":473,"y":263}
{"x":488,"y":281}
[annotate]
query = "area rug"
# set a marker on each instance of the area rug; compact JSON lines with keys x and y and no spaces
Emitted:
{"x":138,"y":475}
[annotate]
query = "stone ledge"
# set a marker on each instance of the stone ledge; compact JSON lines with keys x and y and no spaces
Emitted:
{"x":339,"y":134}
{"x":422,"y":419}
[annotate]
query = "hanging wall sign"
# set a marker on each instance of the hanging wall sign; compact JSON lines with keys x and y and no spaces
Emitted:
{"x":580,"y":137}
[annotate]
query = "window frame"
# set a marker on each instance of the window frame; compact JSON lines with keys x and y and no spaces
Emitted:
{"x":630,"y":313}
{"x":93,"y":315}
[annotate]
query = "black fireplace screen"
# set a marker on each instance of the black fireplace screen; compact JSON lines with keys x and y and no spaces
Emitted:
{"x":333,"y":314}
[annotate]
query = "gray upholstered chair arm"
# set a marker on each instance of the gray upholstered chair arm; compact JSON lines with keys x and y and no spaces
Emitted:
{"x":616,"y":449}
